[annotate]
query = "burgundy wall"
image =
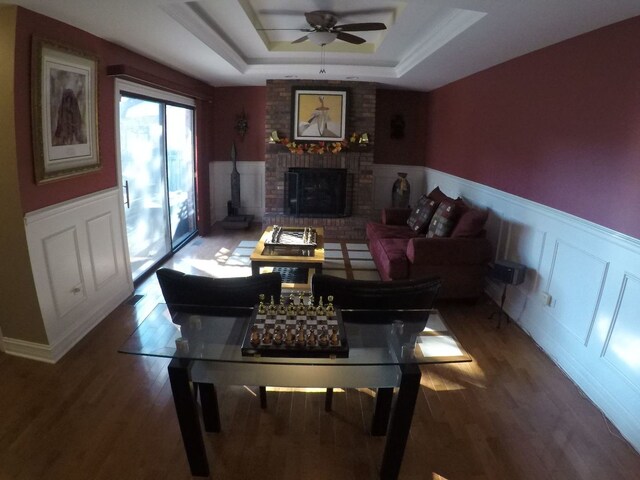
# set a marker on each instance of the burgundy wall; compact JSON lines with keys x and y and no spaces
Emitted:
{"x":229,"y":103}
{"x":38,"y":196}
{"x":410,"y":149}
{"x":559,"y":126}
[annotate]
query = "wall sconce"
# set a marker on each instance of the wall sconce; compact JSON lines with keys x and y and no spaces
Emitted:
{"x":242,"y":125}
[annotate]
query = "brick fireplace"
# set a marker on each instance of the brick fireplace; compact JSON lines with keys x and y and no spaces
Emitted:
{"x":357,"y":161}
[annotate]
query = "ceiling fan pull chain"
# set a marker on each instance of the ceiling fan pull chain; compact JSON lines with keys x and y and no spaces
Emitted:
{"x":322,"y":70}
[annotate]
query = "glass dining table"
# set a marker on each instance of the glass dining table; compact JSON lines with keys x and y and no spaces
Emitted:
{"x":385,"y":351}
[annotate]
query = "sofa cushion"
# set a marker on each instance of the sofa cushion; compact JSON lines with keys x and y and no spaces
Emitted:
{"x":471,"y":223}
{"x":443,"y":220}
{"x":420,"y":217}
{"x":390,"y":257}
{"x":380,"y":230}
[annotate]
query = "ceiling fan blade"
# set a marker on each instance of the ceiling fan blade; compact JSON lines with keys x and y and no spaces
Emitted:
{"x":301,"y":39}
{"x":360,"y":27}
{"x":347,"y":37}
{"x":283,"y":29}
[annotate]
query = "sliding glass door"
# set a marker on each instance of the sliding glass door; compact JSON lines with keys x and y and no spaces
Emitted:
{"x":157,"y":165}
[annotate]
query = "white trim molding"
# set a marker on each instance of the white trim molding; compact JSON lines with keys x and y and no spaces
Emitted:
{"x":77,"y":252}
{"x":580,"y":299}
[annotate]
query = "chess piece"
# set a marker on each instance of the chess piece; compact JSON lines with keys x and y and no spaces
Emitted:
{"x":323,"y":338}
{"x":278,"y":336}
{"x":334,"y":340}
{"x":267,"y":337}
{"x":330,"y":310}
{"x":271,"y":309}
{"x":261,"y":308}
{"x":302,"y":310}
{"x":291,"y":310}
{"x":281,"y":308}
{"x":320,"y":308}
{"x":300,"y":340}
{"x":312,"y":339}
{"x":255,"y":336}
{"x":290,"y":338}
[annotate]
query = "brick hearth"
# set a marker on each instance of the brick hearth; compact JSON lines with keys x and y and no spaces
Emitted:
{"x":359,"y":163}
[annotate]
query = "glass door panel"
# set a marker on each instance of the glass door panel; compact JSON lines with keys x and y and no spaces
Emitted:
{"x":144,"y":182}
{"x":180,"y":173}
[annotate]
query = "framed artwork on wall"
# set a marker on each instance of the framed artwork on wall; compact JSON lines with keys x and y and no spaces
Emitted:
{"x":64,"y":102}
{"x":319,"y":114}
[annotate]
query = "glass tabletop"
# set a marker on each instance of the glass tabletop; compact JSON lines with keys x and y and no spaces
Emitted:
{"x":375,"y":337}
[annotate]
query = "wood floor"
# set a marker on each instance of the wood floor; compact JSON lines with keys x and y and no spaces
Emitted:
{"x":98,"y":414}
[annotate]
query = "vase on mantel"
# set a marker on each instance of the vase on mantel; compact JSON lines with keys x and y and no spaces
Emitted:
{"x":401,"y":191}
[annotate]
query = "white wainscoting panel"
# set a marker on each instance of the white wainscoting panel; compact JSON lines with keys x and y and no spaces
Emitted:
{"x":252,"y":192}
{"x":590,"y":328}
{"x":102,"y":249}
{"x":77,"y":251}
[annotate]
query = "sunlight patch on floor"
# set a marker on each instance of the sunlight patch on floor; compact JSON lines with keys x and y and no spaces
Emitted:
{"x":303,"y":390}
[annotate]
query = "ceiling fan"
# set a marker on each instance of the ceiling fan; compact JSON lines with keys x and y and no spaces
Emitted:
{"x":323,"y":29}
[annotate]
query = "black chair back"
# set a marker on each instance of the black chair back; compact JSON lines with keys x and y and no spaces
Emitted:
{"x":184,"y":289}
{"x":376,"y":295}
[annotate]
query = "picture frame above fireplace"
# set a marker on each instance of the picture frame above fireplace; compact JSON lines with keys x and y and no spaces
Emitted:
{"x":319,"y":114}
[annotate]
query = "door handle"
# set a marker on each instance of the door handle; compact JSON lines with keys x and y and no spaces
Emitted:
{"x":126,"y":194}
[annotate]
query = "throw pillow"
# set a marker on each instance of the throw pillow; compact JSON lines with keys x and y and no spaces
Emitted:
{"x":419,"y":219}
{"x":471,"y":223}
{"x":443,"y":220}
{"x":437,"y":195}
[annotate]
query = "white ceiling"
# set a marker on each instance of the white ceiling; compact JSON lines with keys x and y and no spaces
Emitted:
{"x":427,"y":44}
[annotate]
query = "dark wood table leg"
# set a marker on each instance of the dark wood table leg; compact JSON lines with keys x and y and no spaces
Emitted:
{"x":328,"y":400}
{"x":255,"y":268}
{"x":384,"y":398}
{"x":263,"y":397}
{"x":400,"y":422}
{"x":210,"y":411}
{"x":187,"y":412}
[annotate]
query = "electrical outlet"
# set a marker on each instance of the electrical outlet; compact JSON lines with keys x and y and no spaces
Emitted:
{"x":546,"y":298}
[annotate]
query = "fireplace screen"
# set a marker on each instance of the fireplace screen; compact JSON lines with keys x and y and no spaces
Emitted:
{"x":318,"y":192}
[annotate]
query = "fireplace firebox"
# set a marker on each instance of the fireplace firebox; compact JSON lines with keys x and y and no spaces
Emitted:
{"x":318,"y":192}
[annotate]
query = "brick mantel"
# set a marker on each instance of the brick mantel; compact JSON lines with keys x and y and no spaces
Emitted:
{"x":360,"y":118}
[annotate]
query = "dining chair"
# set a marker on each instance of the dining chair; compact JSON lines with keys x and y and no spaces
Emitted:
{"x":182,"y":289}
{"x":375,"y":295}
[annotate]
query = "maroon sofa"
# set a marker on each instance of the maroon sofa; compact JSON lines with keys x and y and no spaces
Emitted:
{"x":459,"y":255}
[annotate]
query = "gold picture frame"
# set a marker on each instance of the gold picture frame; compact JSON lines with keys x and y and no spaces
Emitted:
{"x":64,"y":101}
{"x":319,"y":114}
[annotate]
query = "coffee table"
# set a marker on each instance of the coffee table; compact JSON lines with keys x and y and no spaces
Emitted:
{"x":310,"y":258}
{"x":386,"y":349}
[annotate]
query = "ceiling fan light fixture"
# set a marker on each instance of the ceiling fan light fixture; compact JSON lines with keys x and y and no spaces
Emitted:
{"x":322,"y":38}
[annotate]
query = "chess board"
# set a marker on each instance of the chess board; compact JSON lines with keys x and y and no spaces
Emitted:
{"x":291,"y":240}
{"x":268,"y":323}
